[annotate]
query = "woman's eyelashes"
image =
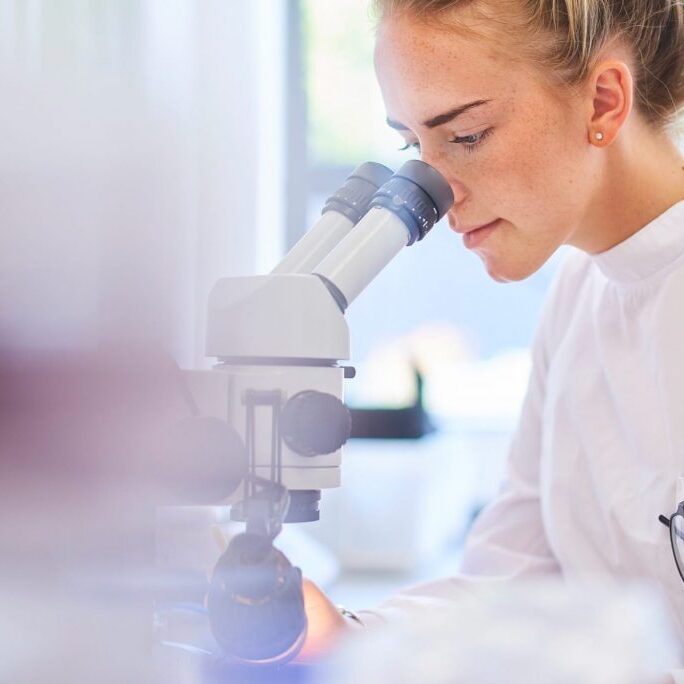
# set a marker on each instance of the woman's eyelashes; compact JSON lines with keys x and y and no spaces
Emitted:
{"x":471,"y":142}
{"x":468,"y":142}
{"x":410,"y":146}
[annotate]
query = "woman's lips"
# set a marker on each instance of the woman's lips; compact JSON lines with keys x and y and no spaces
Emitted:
{"x":476,"y":237}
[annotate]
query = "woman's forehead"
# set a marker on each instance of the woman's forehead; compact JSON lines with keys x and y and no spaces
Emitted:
{"x":415,"y":48}
{"x":421,"y":68}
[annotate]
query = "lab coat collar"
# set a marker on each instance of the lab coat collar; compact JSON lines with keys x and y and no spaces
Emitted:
{"x":651,"y":249}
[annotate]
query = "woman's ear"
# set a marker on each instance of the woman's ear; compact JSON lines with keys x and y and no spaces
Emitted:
{"x":612,"y":94}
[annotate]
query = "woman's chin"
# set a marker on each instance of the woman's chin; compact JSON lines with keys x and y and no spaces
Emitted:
{"x":508,"y":271}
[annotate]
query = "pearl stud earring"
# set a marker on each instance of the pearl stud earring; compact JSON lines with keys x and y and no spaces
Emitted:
{"x":599,"y":136}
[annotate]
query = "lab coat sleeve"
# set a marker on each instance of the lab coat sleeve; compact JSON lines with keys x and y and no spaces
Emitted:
{"x":508,"y":540}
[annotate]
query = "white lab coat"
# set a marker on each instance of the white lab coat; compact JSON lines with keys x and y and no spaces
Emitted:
{"x":599,"y":450}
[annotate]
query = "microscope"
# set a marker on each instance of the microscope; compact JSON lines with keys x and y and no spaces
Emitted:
{"x":270,"y":413}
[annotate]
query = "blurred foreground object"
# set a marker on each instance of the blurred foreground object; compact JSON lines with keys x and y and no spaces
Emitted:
{"x":518,"y":633}
{"x":81,"y":473}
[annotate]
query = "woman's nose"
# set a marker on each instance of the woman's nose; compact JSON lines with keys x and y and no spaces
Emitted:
{"x":447,"y":170}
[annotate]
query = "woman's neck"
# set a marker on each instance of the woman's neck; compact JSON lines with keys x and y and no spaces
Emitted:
{"x":641,"y":176}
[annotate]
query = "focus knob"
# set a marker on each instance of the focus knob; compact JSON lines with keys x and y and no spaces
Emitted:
{"x":314,"y":423}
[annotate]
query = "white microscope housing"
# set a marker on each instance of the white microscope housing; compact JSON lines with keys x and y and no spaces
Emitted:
{"x":279,"y":339}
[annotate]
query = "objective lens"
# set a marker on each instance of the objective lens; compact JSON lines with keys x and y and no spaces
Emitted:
{"x":255,"y":602}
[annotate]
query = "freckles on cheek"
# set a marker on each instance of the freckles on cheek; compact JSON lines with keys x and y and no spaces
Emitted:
{"x":531,"y":169}
{"x":532,"y":141}
{"x":512,"y":176}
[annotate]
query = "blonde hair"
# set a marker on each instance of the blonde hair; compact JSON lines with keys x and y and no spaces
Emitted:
{"x":565,"y":36}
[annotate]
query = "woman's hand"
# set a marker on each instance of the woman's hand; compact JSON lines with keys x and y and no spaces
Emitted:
{"x":325,"y":624}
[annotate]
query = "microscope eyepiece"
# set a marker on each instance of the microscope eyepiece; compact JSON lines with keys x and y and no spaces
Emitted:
{"x":430,"y":181}
{"x":342,"y":211}
{"x":351,"y":200}
{"x":400,"y":213}
{"x":418,"y":194}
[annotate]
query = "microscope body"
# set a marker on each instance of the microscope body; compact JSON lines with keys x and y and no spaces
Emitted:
{"x":278,"y":339}
{"x":282,"y":334}
{"x":274,"y":398}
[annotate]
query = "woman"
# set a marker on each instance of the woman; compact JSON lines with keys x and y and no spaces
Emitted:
{"x":551,"y":122}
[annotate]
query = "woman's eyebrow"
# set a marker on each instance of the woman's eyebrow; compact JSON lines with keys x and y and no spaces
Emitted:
{"x":440,"y":118}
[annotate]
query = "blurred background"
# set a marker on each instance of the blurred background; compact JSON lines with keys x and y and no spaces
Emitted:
{"x":150,"y":147}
